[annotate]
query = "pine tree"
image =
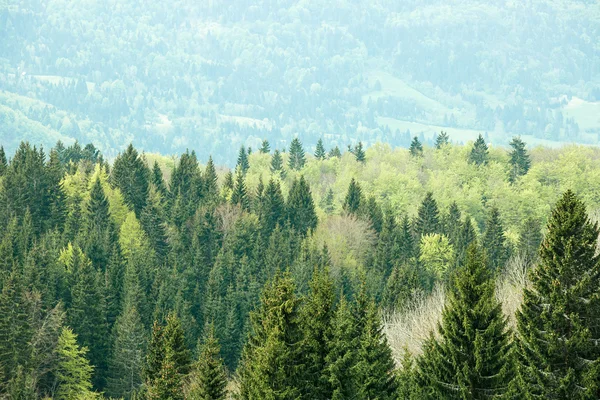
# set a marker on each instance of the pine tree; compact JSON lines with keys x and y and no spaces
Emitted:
{"x":342,"y":353}
{"x":416,"y":148}
{"x":74,"y":372}
{"x":559,"y":320}
{"x":3,"y":162}
{"x":519,"y":160}
{"x":277,"y":164}
{"x":407,"y":251}
{"x":131,"y":175}
{"x":335,"y":152}
{"x":472,"y":357}
{"x":359,"y":153}
{"x":154,"y":225}
{"x":98,"y":228}
{"x":297,"y":159}
{"x":320,"y":153}
{"x":239,"y":195}
{"x":530,"y":239}
{"x":301,"y":208}
{"x":242,"y":162}
{"x":373,"y":212}
{"x":271,"y":360}
{"x":428,"y":220}
{"x":265,"y":148}
{"x":494,"y":241}
{"x":328,"y":201}
{"x":58,"y":206}
{"x":159,"y":182}
{"x":273,"y":209}
{"x":353,"y":198}
{"x":466,"y":236}
{"x":208,"y":379}
{"x":441,"y":140}
{"x":210,"y":180}
{"x":408,"y":386}
{"x":317,"y":316}
{"x":127,"y":356}
{"x":452,"y":222}
{"x":479,"y":152}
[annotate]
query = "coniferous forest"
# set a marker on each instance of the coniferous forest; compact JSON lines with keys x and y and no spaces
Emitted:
{"x":293,"y":275}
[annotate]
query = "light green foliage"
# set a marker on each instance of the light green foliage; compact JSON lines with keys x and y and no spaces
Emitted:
{"x":437,"y":254}
{"x":74,"y":371}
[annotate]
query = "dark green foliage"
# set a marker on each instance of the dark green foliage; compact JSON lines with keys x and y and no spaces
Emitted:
{"x":479,"y":152}
{"x":416,"y":148}
{"x":208,"y":379}
{"x":300,"y":207}
{"x":359,"y":153}
{"x":131,"y":175}
{"x":153,"y":223}
{"x":211,"y":189}
{"x":271,"y":366}
{"x":408,"y":386}
{"x":239,"y":195}
{"x":99,"y":231}
{"x":472,"y":357}
{"x":407,"y":248}
{"x":242,"y":161}
{"x":265,"y":147}
{"x":335,"y":152}
{"x":228,"y":184}
{"x":277,"y":164}
{"x":58,"y":206}
{"x":519,"y":159}
{"x":3,"y":162}
{"x":559,"y":320}
{"x":466,"y":236}
{"x":317,"y":315}
{"x":273,"y":209}
{"x":441,"y":140}
{"x":320,"y":153}
{"x":328,"y":200}
{"x":494,"y":241}
{"x":296,"y":160}
{"x":451,"y":223}
{"x":373,"y":212}
{"x":159,"y":181}
{"x":353,"y":198}
{"x":428,"y":220}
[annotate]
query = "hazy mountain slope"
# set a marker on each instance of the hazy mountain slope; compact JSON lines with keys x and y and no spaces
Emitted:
{"x":213,"y":75}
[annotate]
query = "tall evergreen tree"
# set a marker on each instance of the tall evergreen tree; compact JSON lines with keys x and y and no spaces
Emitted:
{"x":277,"y":164}
{"x":297,"y":159}
{"x":273,"y":210}
{"x":359,"y":153}
{"x":271,"y":360}
{"x":472,"y":357}
{"x":74,"y":372}
{"x":242,"y":161}
{"x":159,"y":181}
{"x":99,"y":231}
{"x":466,"y":236}
{"x":320,"y":153}
{"x":416,"y":148}
{"x":265,"y":147}
{"x":131,"y":175}
{"x":353,"y":198}
{"x":210,"y":180}
{"x":479,"y":152}
{"x":530,"y":239}
{"x":3,"y":162}
{"x":301,"y":208}
{"x":441,"y":140}
{"x":239,"y":195}
{"x":335,"y":152}
{"x":427,"y":221}
{"x":208,"y":379}
{"x":559,"y":320}
{"x":494,"y":241}
{"x":58,"y":201}
{"x":519,"y":159}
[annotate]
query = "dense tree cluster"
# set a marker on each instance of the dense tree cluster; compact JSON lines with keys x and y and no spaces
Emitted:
{"x":123,"y":280}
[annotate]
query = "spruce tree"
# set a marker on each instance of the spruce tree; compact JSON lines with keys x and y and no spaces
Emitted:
{"x":297,"y":159}
{"x":559,"y":320}
{"x":428,"y":220}
{"x":277,"y":164}
{"x":407,"y":250}
{"x":530,"y":239}
{"x":494,"y":241}
{"x":479,"y":152}
{"x":158,"y":181}
{"x":353,"y":198}
{"x":519,"y":159}
{"x":74,"y":372}
{"x":335,"y":152}
{"x":317,"y":317}
{"x":441,"y":140}
{"x":265,"y":147}
{"x":242,"y":162}
{"x":58,"y":206}
{"x":472,"y":357}
{"x":127,"y":356}
{"x":3,"y":162}
{"x":416,"y":148}
{"x":208,"y":379}
{"x":328,"y":201}
{"x":301,"y":208}
{"x":210,"y":181}
{"x":131,"y":175}
{"x":271,"y":366}
{"x":466,"y":236}
{"x":239,"y":195}
{"x":273,"y":209}
{"x":359,"y":153}
{"x":155,"y":227}
{"x":320,"y":153}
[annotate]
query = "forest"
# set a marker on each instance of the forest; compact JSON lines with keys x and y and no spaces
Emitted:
{"x":441,"y":271}
{"x":211,"y":75}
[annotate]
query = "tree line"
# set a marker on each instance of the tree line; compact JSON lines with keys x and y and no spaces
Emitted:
{"x":118,"y":282}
